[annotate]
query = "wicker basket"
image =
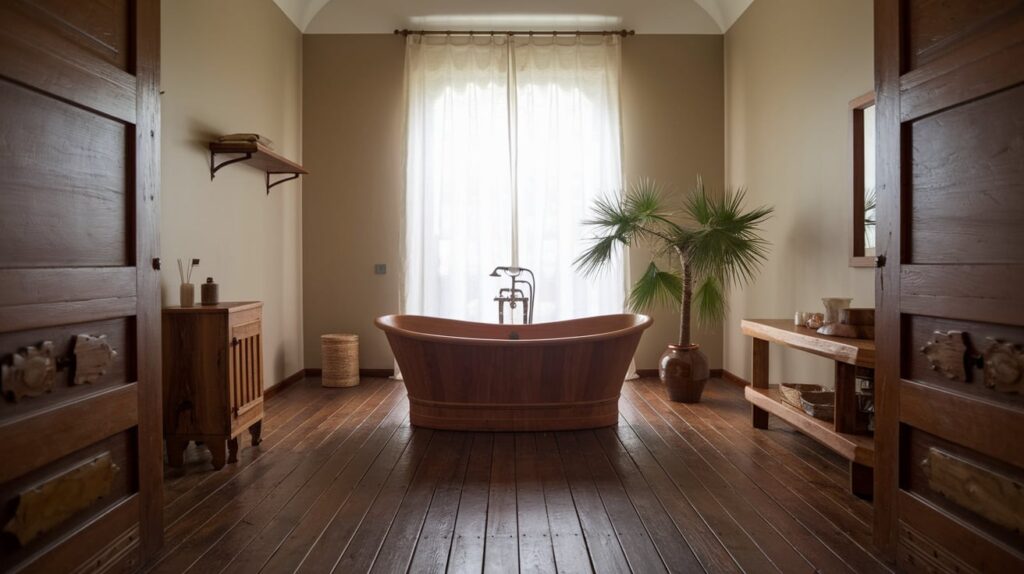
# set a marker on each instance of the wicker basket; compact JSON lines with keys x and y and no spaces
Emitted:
{"x":791,"y":392}
{"x":340,"y":360}
{"x":820,"y":405}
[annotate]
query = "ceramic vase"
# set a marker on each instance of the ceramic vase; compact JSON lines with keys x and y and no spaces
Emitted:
{"x":832,"y":307}
{"x":684,"y":370}
{"x":187,"y":295}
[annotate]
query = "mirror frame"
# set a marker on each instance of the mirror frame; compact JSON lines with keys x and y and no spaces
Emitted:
{"x":857,"y":107}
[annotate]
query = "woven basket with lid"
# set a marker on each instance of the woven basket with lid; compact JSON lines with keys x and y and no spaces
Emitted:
{"x":340,"y":354}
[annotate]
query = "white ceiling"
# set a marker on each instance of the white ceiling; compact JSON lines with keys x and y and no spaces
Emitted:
{"x":383,"y":16}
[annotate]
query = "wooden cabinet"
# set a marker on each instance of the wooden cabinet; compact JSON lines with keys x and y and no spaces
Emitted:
{"x":213,"y":378}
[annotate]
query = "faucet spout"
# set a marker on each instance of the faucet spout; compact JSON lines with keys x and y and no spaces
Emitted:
{"x":514,"y":295}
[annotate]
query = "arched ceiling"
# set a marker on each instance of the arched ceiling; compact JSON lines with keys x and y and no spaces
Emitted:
{"x":644,"y":16}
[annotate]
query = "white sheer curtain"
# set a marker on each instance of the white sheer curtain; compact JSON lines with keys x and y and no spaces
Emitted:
{"x":535,"y":127}
{"x":568,"y":154}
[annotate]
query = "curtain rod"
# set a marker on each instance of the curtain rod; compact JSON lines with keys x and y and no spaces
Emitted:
{"x":622,"y":33}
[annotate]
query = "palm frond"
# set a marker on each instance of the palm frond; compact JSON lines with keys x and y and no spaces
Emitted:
{"x":637,"y":215}
{"x":655,"y":287}
{"x":721,"y":243}
{"x":709,"y":300}
{"x":727,"y":242}
{"x":870,"y":203}
{"x":601,"y":251}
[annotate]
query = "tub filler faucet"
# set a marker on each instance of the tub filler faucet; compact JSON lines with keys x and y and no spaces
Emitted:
{"x":514,"y":295}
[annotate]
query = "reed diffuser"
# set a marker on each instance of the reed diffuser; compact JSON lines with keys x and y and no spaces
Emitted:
{"x":187,"y":291}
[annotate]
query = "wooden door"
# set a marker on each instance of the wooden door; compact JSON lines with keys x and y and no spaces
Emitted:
{"x":80,"y":449}
{"x":950,"y":473}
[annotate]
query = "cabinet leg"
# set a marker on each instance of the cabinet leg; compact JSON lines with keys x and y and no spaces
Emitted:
{"x":862,"y":480}
{"x":256,"y":430}
{"x":233,"y":450}
{"x":218,"y":450}
{"x":176,"y":452}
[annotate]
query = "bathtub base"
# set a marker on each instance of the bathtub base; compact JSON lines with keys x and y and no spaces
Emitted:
{"x":514,"y":417}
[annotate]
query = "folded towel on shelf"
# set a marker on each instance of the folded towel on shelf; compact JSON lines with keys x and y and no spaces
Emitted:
{"x":246,"y":138}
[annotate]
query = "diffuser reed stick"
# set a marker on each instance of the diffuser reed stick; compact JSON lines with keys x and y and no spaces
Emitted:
{"x":187,"y":290}
{"x":186,"y":276}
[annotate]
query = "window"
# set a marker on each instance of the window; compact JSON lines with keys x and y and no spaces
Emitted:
{"x":510,"y":140}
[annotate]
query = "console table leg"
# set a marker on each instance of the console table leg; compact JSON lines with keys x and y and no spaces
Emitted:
{"x":862,"y":480}
{"x":759,"y":417}
{"x":846,"y":398}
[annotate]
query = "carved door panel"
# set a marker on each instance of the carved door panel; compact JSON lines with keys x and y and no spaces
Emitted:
{"x":80,"y":450}
{"x":949,"y":489}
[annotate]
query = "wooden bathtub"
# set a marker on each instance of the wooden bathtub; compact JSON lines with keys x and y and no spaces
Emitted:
{"x":484,"y":377}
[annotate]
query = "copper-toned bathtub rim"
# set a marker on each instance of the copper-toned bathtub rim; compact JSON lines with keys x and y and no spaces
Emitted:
{"x":387,"y":324}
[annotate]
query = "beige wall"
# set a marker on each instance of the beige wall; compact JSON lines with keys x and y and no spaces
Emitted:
{"x":672,"y":129}
{"x":353,"y":137}
{"x":234,"y":66}
{"x":791,"y":67}
{"x":353,"y":116}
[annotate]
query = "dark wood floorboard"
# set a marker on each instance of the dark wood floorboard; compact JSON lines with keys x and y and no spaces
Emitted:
{"x":343,"y":483}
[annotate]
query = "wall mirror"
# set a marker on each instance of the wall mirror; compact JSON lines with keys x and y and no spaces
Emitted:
{"x":862,"y":113}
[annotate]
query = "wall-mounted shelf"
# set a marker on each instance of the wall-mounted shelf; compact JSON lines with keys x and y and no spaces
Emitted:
{"x":255,"y":155}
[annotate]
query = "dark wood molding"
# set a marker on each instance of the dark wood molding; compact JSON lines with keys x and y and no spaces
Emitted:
{"x":377,"y":373}
{"x":371,"y":373}
{"x":733,"y":378}
{"x":284,"y":383}
{"x":303,"y":373}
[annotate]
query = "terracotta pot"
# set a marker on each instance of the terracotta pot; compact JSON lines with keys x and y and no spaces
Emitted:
{"x":684,"y":370}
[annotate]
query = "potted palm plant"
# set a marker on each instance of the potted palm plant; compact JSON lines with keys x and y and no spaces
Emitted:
{"x":711,"y":243}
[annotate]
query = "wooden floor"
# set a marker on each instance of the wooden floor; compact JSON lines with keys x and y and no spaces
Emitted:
{"x":342,"y":482}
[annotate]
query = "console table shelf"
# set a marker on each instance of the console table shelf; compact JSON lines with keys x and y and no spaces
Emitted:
{"x":848,"y":355}
{"x":853,"y":447}
{"x":256,"y":155}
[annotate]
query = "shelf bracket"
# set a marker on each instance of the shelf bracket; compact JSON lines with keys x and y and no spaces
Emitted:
{"x":215,"y":167}
{"x":280,"y":181}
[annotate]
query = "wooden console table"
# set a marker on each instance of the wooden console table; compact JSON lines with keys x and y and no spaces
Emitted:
{"x":840,"y":436}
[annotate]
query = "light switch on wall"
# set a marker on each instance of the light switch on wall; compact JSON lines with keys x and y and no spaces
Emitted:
{"x":380,"y":268}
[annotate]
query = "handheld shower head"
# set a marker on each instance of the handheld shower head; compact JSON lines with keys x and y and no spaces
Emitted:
{"x":510,"y":271}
